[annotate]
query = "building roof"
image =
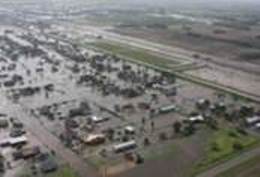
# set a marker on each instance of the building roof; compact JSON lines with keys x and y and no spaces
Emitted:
{"x":252,"y":120}
{"x":196,"y":118}
{"x":17,"y":140}
{"x":48,"y":165}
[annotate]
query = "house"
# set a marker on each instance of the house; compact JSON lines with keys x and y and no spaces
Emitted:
{"x":48,"y":165}
{"x":94,"y":139}
{"x":97,"y":119}
{"x":26,"y":153}
{"x":16,"y":132}
{"x":30,"y":152}
{"x":196,"y":119}
{"x":130,"y":130}
{"x":257,"y":125}
{"x":4,"y":123}
{"x":170,"y":90}
{"x":14,"y":141}
{"x":202,"y":103}
{"x":17,"y":124}
{"x":123,"y":147}
{"x":18,"y":141}
{"x":167,"y":109}
{"x":4,"y":143}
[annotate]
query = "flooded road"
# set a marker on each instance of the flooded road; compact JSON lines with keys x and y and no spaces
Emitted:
{"x":48,"y":139}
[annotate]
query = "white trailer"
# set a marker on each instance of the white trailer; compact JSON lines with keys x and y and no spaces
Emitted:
{"x":129,"y":145}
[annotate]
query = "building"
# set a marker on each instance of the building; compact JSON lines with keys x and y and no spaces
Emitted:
{"x":130,"y":130}
{"x":252,"y":120}
{"x":4,"y":123}
{"x":196,"y":119}
{"x":26,"y":153}
{"x":18,"y":141}
{"x":94,"y":139}
{"x":48,"y":165}
{"x":167,"y":109}
{"x":14,"y":141}
{"x":96,"y":119}
{"x":123,"y":147}
{"x":257,"y":126}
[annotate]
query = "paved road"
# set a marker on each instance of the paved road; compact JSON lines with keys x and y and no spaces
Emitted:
{"x":231,"y":163}
{"x":48,"y":139}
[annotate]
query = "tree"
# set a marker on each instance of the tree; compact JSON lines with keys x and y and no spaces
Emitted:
{"x":152,"y":125}
{"x":139,"y":159}
{"x":2,"y":166}
{"x":237,"y":146}
{"x":147,"y":142}
{"x":177,"y":127}
{"x":189,"y":129}
{"x":163,"y":136}
{"x":143,"y":121}
{"x":215,"y":147}
{"x":110,"y":133}
{"x":212,"y":123}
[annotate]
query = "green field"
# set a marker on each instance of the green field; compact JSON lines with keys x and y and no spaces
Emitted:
{"x":250,"y":168}
{"x":64,"y":172}
{"x":224,"y":144}
{"x":136,"y":54}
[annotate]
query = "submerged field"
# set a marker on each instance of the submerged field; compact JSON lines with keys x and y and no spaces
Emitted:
{"x":137,"y":54}
{"x":64,"y":171}
{"x":249,"y":168}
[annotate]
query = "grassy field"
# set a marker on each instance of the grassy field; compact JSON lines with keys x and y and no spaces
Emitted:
{"x":224,"y":144}
{"x":250,"y":168}
{"x":136,"y":54}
